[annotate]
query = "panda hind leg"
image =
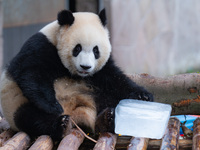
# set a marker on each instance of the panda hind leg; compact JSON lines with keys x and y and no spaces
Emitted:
{"x":105,"y":121}
{"x":36,"y":122}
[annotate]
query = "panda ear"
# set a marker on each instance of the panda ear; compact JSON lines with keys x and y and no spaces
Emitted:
{"x":102,"y":16}
{"x":65,"y":17}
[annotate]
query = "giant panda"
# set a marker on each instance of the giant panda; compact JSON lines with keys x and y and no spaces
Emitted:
{"x":65,"y":71}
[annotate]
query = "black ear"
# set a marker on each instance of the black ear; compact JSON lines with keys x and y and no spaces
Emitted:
{"x":102,"y":16}
{"x":65,"y":17}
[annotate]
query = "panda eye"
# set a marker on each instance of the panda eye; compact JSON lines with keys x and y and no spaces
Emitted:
{"x":96,"y":52}
{"x":77,"y":49}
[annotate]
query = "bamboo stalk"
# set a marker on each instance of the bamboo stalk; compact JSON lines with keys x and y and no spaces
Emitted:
{"x":91,"y":139}
{"x":19,"y":141}
{"x":137,"y":143}
{"x":106,"y":141}
{"x":196,"y":135}
{"x":71,"y":141}
{"x":171,"y":137}
{"x":43,"y":142}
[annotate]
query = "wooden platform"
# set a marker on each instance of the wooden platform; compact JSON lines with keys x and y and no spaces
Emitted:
{"x":106,"y":141}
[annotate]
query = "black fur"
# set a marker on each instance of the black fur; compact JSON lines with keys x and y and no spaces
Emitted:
{"x":102,"y":16}
{"x":65,"y":17}
{"x":111,"y":86}
{"x":36,"y":67}
{"x":35,"y":122}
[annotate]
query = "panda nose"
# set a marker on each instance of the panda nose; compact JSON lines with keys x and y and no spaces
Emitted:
{"x":85,"y":67}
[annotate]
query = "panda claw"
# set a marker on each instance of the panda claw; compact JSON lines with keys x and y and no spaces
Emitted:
{"x":64,"y":121}
{"x":143,"y":95}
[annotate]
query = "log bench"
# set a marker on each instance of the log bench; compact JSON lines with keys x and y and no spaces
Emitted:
{"x":181,"y":91}
{"x":10,"y":140}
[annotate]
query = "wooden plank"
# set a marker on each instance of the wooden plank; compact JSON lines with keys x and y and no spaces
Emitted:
{"x":4,"y":136}
{"x":171,"y":137}
{"x":71,"y":141}
{"x":196,"y":135}
{"x":106,"y":141}
{"x":19,"y":141}
{"x":43,"y":142}
{"x":124,"y":141}
{"x":137,"y":143}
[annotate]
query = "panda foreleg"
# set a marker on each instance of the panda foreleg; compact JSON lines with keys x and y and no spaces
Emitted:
{"x":36,"y":122}
{"x":37,"y":86}
{"x":116,"y":85}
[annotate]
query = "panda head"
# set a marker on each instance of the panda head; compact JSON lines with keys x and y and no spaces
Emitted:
{"x":83,"y":42}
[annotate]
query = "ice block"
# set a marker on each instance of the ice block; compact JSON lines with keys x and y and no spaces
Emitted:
{"x":141,"y":118}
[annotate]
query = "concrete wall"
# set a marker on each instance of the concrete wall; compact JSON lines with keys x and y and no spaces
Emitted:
{"x":87,"y":5}
{"x":26,"y":12}
{"x":159,"y":37}
{"x":1,"y":38}
{"x":23,"y":18}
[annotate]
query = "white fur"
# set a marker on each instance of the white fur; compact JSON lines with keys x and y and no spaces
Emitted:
{"x":11,"y":99}
{"x":86,"y":30}
{"x":86,"y":59}
{"x":51,"y":31}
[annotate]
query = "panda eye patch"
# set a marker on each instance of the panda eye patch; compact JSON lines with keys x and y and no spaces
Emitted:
{"x":77,"y":49}
{"x":96,"y":52}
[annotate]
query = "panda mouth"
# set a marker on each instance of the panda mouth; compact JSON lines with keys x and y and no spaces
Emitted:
{"x":83,"y":73}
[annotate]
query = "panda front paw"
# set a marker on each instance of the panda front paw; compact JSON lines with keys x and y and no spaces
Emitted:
{"x":61,"y":127}
{"x":141,"y":95}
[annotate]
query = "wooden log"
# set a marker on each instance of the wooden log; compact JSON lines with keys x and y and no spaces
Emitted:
{"x":137,"y":143}
{"x":43,"y":142}
{"x":171,"y":136}
{"x":124,"y":141}
{"x":184,"y":144}
{"x":181,"y":91}
{"x":196,"y":135}
{"x":106,"y":141}
{"x":19,"y":141}
{"x":71,"y":141}
{"x":4,"y":136}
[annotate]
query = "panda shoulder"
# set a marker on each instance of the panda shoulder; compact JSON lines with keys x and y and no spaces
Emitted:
{"x":46,"y":37}
{"x":50,"y":31}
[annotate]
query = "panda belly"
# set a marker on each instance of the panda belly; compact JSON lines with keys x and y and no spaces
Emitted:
{"x":11,"y":99}
{"x":77,"y":101}
{"x":75,"y":98}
